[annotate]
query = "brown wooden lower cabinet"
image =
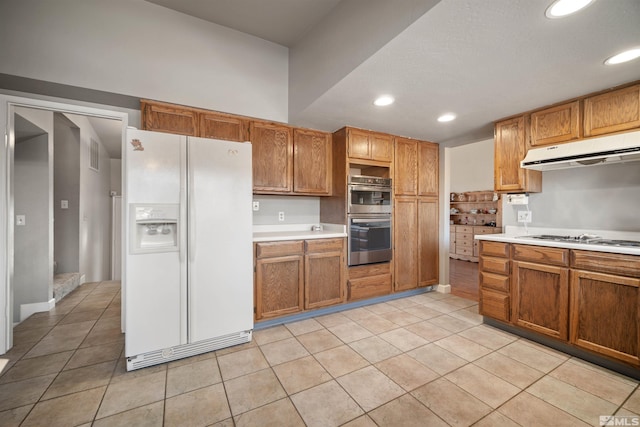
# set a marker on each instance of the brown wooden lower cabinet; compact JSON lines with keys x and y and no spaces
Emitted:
{"x":292,"y":276}
{"x":495,"y":282}
{"x":324,"y":264}
{"x":279,"y":281}
{"x":605,"y":314}
{"x":588,"y":299}
{"x":415,"y":249}
{"x":540,"y":295}
{"x":367,"y":281}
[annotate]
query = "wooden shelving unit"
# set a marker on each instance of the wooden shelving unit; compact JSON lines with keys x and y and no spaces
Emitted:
{"x":472,"y":213}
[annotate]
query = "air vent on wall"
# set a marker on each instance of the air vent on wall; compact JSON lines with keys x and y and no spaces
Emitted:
{"x":94,"y":153}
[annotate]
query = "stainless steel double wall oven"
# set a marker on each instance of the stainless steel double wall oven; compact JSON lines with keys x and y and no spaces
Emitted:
{"x":369,"y":216}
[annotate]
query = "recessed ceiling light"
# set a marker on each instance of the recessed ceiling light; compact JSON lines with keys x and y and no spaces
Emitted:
{"x":627,"y":55}
{"x":562,"y":8}
{"x":447,"y":117}
{"x":383,"y":100}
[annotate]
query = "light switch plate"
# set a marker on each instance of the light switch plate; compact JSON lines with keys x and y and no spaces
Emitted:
{"x":21,"y":220}
{"x":64,"y":204}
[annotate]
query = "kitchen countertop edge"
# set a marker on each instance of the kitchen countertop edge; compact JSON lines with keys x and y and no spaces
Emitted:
{"x":527,"y":240}
{"x":297,"y":232}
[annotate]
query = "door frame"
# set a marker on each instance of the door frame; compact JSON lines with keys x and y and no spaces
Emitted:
{"x":7,"y":106}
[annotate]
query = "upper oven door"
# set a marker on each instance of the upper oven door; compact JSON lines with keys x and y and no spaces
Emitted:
{"x":369,"y":199}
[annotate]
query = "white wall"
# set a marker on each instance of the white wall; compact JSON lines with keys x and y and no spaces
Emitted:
{"x":603,"y":197}
{"x":140,"y":49}
{"x":297,"y":210}
{"x":66,"y":186}
{"x":472,"y":167}
{"x":95,"y":206}
{"x":116,"y":176}
{"x":33,"y":242}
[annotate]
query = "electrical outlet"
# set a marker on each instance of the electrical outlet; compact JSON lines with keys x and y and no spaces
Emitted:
{"x":280,"y":216}
{"x":524,"y":216}
{"x":256,"y":205}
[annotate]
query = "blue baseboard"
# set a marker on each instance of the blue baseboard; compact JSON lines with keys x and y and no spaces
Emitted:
{"x":338,"y":308}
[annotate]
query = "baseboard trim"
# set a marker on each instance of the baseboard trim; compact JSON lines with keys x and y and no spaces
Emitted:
{"x":443,"y":289}
{"x":27,"y":310}
{"x":264,"y":324}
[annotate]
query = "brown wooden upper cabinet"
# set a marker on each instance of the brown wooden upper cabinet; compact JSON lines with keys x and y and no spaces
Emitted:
{"x":312,"y":162}
{"x":510,"y":149}
{"x":223,"y":126}
{"x":290,"y":161}
{"x":556,"y":124}
{"x":614,"y":111}
{"x":367,"y":145}
{"x":272,"y":157}
{"x":169,"y":118}
{"x":416,"y":167}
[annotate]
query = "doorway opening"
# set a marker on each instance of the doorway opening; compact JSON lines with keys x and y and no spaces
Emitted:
{"x":62,"y":174}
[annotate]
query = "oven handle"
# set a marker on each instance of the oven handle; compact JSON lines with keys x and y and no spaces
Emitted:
{"x":368,"y":188}
{"x":362,"y":221}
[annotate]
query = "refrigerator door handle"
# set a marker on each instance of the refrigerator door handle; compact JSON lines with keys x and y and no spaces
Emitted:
{"x":191,"y":246}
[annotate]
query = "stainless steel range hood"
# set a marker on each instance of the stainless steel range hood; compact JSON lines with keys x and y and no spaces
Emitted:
{"x":622,"y":147}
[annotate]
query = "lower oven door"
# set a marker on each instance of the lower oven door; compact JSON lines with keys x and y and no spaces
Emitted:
{"x":369,"y":239}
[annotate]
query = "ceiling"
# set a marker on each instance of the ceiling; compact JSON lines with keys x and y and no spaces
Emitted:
{"x":482,"y":60}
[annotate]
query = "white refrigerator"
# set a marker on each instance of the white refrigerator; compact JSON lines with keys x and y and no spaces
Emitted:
{"x":188,"y":285}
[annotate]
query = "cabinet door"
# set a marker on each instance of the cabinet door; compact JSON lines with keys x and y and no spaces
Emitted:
{"x":406,"y":167}
{"x":381,"y":147}
{"x":223,"y":126}
{"x":272,"y":158}
{"x":556,"y":124}
{"x":605,"y":314}
{"x":359,"y":147}
{"x":428,"y":242}
{"x":612,"y":112}
{"x":311,"y":162}
{"x":428,"y":169}
{"x":169,"y":118}
{"x":405,"y":254}
{"x":323,"y":279}
{"x":541,"y":298}
{"x":279,"y":286}
{"x":509,"y":151}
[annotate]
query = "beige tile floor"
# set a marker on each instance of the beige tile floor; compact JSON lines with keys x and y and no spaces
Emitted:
{"x":425,"y":360}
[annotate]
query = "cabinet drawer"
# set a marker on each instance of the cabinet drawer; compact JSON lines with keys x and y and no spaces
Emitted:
{"x":464,"y":244}
{"x":498,"y":249}
{"x":464,"y":237}
{"x":367,"y":287}
{"x":485,"y":230}
{"x":273,"y":249}
{"x":543,"y":255}
{"x":603,"y":262}
{"x":323,"y":245}
{"x":494,"y":281}
{"x":494,"y":304}
{"x":464,"y":229}
{"x":369,"y":270}
{"x":495,"y":265}
{"x":461,"y":250}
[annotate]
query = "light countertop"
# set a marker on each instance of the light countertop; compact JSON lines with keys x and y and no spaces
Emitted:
{"x":267,"y":233}
{"x":521,"y":235}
